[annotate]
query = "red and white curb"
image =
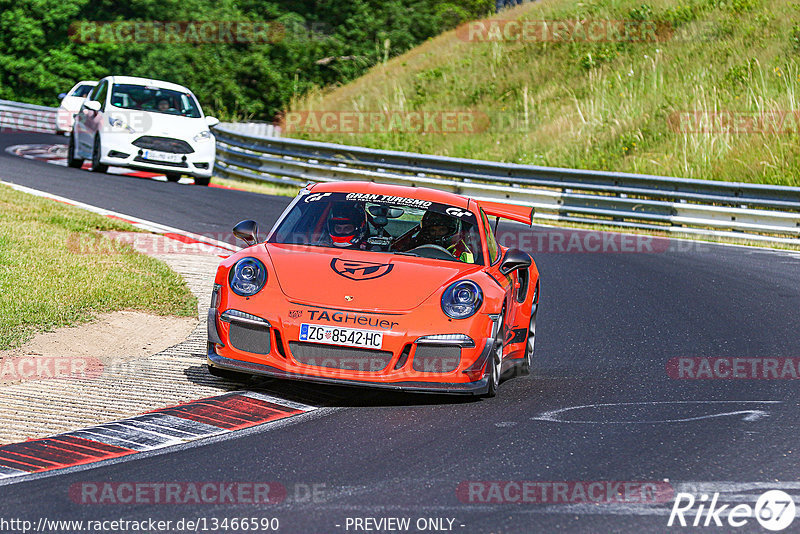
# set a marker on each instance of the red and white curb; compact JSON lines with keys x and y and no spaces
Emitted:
{"x":154,"y":430}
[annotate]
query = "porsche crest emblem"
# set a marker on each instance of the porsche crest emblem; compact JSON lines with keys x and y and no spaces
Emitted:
{"x":360,"y":270}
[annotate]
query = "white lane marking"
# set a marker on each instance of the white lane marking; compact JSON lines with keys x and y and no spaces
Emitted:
{"x":8,"y":472}
{"x":169,"y":425}
{"x":140,"y":223}
{"x":278,"y":400}
{"x":749,"y":415}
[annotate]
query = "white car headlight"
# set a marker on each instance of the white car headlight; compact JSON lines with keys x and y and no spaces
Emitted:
{"x":205,"y":135}
{"x":119,"y":124}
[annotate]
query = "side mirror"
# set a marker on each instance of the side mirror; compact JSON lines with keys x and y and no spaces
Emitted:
{"x":94,"y":105}
{"x":212,"y":121}
{"x":514,"y":259}
{"x":247,"y":231}
{"x":61,"y":95}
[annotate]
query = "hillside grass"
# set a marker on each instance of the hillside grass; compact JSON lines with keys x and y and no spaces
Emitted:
{"x":57,"y":270}
{"x":603,"y":106}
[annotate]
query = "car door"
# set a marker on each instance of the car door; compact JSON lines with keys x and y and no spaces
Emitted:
{"x":517,"y":288}
{"x":88,"y":122}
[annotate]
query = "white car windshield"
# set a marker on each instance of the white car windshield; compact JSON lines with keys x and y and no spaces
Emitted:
{"x":154,"y":99}
{"x":82,"y":90}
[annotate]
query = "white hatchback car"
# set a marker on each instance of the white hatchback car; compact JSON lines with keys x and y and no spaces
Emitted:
{"x":70,"y":104}
{"x":144,"y":124}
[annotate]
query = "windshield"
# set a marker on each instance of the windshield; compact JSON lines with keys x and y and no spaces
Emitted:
{"x":382,"y":223}
{"x":155,"y":99}
{"x":82,"y":90}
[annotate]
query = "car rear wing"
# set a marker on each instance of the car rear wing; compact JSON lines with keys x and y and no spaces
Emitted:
{"x":523,"y":214}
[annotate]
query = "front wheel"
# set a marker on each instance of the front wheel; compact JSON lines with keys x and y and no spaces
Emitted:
{"x":72,"y":161}
{"x":173,"y":176}
{"x":495,"y":362}
{"x":531,"y":339}
{"x":202,"y":181}
{"x":96,"y":165}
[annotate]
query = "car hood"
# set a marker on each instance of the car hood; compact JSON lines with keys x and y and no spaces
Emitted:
{"x":358,"y":280}
{"x":159,"y":124}
{"x":72,"y":103}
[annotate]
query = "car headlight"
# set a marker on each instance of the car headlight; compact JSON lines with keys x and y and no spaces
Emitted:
{"x":120,"y":124}
{"x":203,"y":136}
{"x":247,"y":277}
{"x":462,"y":299}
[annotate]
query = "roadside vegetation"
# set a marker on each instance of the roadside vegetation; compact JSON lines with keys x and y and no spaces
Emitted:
{"x":57,"y":270}
{"x":46,"y":47}
{"x":256,"y":186}
{"x":619,"y":106}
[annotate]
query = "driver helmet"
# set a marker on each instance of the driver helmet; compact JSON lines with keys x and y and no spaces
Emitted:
{"x":347,"y":225}
{"x":438,"y":229}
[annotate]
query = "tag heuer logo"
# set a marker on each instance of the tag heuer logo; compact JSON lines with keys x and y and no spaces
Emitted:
{"x":360,"y":270}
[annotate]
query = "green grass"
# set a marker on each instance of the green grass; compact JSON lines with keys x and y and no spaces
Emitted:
{"x":602,"y":106}
{"x":255,"y":186}
{"x":52,"y":273}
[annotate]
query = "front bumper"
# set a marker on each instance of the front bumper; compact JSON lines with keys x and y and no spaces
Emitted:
{"x":118,"y":150}
{"x":479,"y":387}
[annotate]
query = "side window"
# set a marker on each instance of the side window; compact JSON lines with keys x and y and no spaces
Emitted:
{"x":95,"y":90}
{"x":100,"y":96}
{"x":491,"y":242}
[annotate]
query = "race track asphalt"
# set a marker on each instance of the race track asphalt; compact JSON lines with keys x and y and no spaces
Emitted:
{"x":609,"y":322}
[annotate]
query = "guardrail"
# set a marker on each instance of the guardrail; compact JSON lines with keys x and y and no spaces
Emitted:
{"x":27,"y":117}
{"x":756,"y":212}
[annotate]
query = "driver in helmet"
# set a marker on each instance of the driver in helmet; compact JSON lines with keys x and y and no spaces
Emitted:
{"x":347,"y":226}
{"x":444,"y":231}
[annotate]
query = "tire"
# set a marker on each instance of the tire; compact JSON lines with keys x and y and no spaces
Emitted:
{"x":96,"y":165}
{"x":173,"y":176}
{"x":496,"y":359}
{"x":228,"y":375}
{"x":530,"y":341}
{"x":202,"y":181}
{"x":72,"y":161}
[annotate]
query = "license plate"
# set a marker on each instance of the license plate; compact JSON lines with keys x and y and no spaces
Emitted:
{"x":333,"y":335}
{"x":155,"y":155}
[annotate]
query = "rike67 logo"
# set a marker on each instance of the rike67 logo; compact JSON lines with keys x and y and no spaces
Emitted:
{"x":774,"y":510}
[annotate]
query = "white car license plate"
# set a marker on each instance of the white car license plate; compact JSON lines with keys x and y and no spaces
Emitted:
{"x":333,"y":335}
{"x":155,"y":155}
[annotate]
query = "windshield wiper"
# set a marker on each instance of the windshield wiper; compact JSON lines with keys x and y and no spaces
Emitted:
{"x":405,"y":253}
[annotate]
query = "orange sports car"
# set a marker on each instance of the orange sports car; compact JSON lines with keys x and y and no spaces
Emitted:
{"x":364,"y":284}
